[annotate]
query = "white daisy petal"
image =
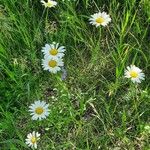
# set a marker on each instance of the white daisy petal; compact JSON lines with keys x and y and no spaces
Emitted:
{"x":29,"y":135}
{"x":34,"y":117}
{"x":37,"y":135}
{"x":57,"y":44}
{"x":35,"y":146}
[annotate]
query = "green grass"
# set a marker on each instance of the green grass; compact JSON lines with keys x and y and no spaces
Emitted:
{"x":95,"y":107}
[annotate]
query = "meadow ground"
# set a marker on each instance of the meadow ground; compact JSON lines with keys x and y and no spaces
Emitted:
{"x":95,"y":107}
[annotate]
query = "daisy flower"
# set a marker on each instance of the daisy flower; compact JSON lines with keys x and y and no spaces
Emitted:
{"x":53,"y":50}
{"x":134,"y":73}
{"x":39,"y":110}
{"x":32,"y":139}
{"x":100,"y":18}
{"x":49,"y":3}
{"x":53,"y":65}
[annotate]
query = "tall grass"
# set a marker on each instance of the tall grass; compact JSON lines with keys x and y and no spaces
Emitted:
{"x":95,"y":107}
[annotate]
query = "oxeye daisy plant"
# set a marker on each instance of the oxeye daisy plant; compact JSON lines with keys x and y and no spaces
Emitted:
{"x":134,"y":73}
{"x":53,"y":65}
{"x":32,"y":139}
{"x":53,"y":50}
{"x":39,"y":110}
{"x":100,"y":18}
{"x":49,"y":3}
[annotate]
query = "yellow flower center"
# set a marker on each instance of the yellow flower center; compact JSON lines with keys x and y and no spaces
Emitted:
{"x":52,"y":63}
{"x":133,"y":74}
{"x":53,"y":51}
{"x":39,"y":110}
{"x":100,"y":20}
{"x":33,"y":140}
{"x":49,"y":4}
